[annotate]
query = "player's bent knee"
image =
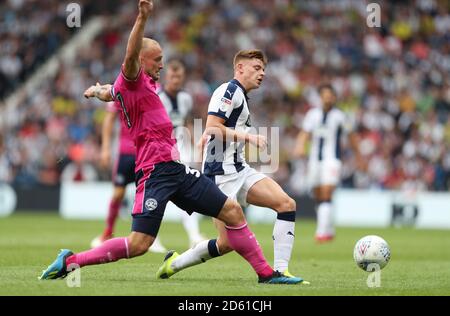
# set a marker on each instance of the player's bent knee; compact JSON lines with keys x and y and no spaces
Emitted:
{"x":325,"y":198}
{"x":232,"y":213}
{"x":292,"y":205}
{"x":286,"y":205}
{"x":326,"y":193}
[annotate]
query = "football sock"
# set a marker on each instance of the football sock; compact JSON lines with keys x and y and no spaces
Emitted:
{"x":325,"y":220}
{"x":114,"y":207}
{"x":110,"y":251}
{"x":200,"y":253}
{"x":283,"y":240}
{"x":244,"y":242}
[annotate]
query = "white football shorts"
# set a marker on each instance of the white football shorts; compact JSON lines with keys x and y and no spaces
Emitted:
{"x":237,"y":185}
{"x":325,"y":172}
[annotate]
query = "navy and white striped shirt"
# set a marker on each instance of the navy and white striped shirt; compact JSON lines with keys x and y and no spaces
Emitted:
{"x":326,"y":129}
{"x":229,"y":102}
{"x":177,"y":107}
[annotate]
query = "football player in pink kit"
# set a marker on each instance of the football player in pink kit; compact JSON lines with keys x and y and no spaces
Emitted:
{"x":159,"y":176}
{"x":123,"y":173}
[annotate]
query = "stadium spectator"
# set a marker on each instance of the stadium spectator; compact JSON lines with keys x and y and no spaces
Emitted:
{"x":394,"y":81}
{"x":5,"y":166}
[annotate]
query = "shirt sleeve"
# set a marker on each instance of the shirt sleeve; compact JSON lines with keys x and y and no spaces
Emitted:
{"x":131,"y":84}
{"x":112,"y":106}
{"x":224,"y":100}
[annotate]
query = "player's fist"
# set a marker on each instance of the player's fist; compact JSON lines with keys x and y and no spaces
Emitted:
{"x":92,"y":91}
{"x":145,"y":7}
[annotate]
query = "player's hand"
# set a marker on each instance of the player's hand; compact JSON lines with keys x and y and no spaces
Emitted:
{"x":201,"y":142}
{"x":92,"y":91}
{"x":105,"y":159}
{"x":145,"y":7}
{"x":198,"y":157}
{"x":258,"y":140}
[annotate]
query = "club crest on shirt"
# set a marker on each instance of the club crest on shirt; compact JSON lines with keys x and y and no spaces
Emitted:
{"x":151,"y":204}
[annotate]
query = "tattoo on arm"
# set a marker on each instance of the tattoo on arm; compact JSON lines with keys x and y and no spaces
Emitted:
{"x":101,"y":91}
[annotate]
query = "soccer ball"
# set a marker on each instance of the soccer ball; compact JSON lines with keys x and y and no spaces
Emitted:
{"x":371,"y":253}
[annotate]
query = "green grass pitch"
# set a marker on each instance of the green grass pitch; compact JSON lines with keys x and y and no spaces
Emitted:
{"x":420,"y":263}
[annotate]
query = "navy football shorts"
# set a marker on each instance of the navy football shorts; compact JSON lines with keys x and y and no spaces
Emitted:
{"x":172,"y":181}
{"x":124,"y":170}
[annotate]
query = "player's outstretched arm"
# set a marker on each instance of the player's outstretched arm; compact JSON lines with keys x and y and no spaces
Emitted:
{"x":101,"y":92}
{"x":131,"y":63}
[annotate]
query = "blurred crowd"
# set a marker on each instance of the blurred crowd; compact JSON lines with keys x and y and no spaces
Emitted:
{"x":393,"y":81}
{"x":31,"y":31}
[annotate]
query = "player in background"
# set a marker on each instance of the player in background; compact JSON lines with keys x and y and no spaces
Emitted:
{"x":325,"y":127}
{"x":227,"y":132}
{"x":178,"y":104}
{"x":159,"y":176}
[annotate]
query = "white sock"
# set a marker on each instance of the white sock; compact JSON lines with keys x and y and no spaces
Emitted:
{"x":325,"y":220}
{"x":191,"y":227}
{"x":283,"y":240}
{"x":202,"y":252}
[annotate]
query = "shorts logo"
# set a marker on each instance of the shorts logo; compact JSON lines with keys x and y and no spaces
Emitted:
{"x":120,"y":179}
{"x":151,"y":204}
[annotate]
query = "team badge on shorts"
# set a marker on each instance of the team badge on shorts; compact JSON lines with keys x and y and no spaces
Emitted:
{"x":151,"y":204}
{"x":120,"y":179}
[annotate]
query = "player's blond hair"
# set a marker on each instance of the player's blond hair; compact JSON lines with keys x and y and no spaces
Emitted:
{"x":250,"y":54}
